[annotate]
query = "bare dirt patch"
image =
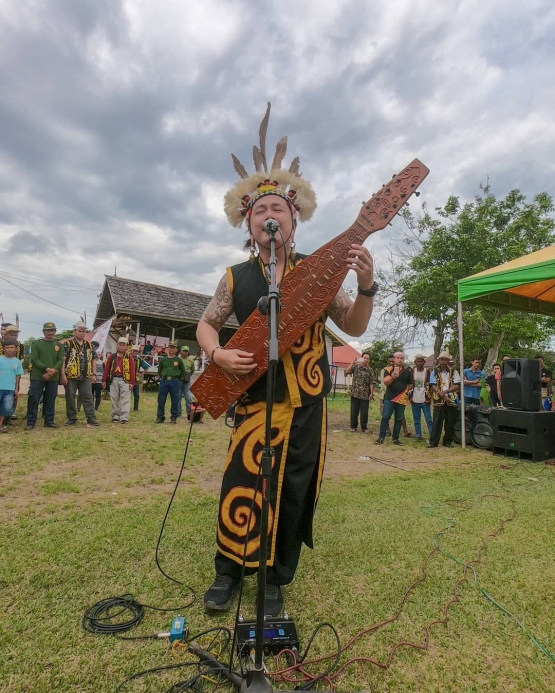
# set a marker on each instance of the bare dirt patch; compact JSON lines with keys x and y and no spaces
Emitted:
{"x":74,"y":467}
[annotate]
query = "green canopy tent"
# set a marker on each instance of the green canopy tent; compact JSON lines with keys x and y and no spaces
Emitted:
{"x":526,"y":284}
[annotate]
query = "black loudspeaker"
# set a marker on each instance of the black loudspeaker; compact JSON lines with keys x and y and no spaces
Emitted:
{"x":526,"y":435}
{"x":521,"y":384}
{"x":469,"y":416}
{"x":482,"y":431}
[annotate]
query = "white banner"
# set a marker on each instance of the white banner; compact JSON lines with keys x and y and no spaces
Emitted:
{"x":100,"y":335}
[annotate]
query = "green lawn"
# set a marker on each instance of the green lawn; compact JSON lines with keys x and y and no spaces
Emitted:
{"x":81,"y":513}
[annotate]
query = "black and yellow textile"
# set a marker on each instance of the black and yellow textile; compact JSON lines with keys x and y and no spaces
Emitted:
{"x":75,"y":355}
{"x":299,"y":441}
{"x":303,"y":369}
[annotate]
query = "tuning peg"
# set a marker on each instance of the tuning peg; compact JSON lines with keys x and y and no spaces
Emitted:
{"x":407,"y":204}
{"x":363,"y":202}
{"x":390,"y":223}
{"x":417,"y":193}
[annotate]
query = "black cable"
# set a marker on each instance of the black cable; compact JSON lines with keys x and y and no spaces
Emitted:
{"x":100,"y":618}
{"x":169,"y":577}
{"x":309,"y":684}
{"x":154,"y":670}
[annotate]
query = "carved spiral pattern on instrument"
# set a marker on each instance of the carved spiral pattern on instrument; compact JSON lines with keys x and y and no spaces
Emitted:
{"x":324,"y":269}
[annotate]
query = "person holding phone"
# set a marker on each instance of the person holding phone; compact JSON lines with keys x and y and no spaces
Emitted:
{"x":399,"y":382}
{"x":362,"y":391}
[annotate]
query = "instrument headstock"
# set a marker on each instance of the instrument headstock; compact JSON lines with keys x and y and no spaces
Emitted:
{"x":380,"y":209}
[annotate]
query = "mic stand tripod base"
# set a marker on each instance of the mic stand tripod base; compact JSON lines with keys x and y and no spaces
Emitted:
{"x":256,"y":682}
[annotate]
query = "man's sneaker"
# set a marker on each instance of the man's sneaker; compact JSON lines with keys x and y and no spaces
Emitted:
{"x":50,"y":425}
{"x":159,"y":421}
{"x":220,"y":593}
{"x":173,"y":421}
{"x":273,"y":602}
{"x":70,"y":423}
{"x":93,"y":422}
{"x":379,"y":441}
{"x":3,"y":429}
{"x":29,"y":427}
{"x":397,"y":442}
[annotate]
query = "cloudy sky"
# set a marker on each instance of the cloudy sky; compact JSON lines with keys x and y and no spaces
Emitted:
{"x":117,"y":119}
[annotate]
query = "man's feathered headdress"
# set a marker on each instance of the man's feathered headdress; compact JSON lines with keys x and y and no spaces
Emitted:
{"x":268,"y":181}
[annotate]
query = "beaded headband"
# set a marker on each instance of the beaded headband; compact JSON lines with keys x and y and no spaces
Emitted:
{"x":288,"y":185}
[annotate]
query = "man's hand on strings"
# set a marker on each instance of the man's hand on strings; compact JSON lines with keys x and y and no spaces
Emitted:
{"x":361,"y":262}
{"x":235,"y":361}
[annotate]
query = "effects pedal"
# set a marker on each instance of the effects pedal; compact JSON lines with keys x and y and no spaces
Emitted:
{"x":279,"y":634}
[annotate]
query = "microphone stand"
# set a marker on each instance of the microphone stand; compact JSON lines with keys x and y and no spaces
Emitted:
{"x":256,"y":681}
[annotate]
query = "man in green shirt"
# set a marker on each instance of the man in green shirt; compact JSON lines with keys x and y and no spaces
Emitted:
{"x":171,"y":370}
{"x":47,"y":355}
{"x":189,"y":364}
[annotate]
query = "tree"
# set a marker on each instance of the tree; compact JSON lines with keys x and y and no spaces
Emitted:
{"x":421,"y":288}
{"x":27,"y":343}
{"x":65,"y":334}
{"x":379,"y":351}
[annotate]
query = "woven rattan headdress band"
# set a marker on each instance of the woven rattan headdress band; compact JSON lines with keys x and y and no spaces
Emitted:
{"x":289,"y":185}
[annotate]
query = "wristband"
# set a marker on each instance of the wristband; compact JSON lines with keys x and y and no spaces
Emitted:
{"x":213,"y":352}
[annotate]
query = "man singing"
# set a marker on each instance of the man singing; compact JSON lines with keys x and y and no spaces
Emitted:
{"x":302,"y":382}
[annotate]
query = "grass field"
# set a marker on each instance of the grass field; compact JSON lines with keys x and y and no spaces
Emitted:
{"x":81,"y":511}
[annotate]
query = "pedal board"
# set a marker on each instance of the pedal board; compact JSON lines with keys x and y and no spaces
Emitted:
{"x":279,"y":634}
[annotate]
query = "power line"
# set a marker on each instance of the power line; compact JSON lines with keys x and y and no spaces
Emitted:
{"x":28,"y":279}
{"x":60,"y":289}
{"x":40,"y":297}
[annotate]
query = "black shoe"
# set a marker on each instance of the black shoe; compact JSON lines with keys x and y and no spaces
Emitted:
{"x":432,"y":446}
{"x":220,"y":593}
{"x":449,"y":445}
{"x":379,"y":441}
{"x":52,"y":425}
{"x":94,"y":422}
{"x":397,"y":442}
{"x":30,"y":427}
{"x":159,"y":421}
{"x":273,"y":602}
{"x":173,"y":421}
{"x":70,"y":423}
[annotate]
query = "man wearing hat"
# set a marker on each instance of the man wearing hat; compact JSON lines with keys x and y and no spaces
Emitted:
{"x":11,"y":332}
{"x":140,"y":366}
{"x":189,"y":364}
{"x":119,"y":371}
{"x":78,"y":375}
{"x":47,"y":356}
{"x":420,"y":396}
{"x":171,"y":370}
{"x":445,"y":383}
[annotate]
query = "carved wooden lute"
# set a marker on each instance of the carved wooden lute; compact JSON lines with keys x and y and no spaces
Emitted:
{"x":305,"y":293}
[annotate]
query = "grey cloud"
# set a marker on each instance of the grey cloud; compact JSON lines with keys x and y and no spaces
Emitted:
{"x":102,"y":128}
{"x":26,"y":243}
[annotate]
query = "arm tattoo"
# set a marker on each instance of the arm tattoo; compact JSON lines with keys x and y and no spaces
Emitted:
{"x":337,"y":309}
{"x":220,"y":307}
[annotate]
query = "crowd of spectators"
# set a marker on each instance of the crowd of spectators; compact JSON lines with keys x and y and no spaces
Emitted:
{"x":76,"y":364}
{"x":432,"y":393}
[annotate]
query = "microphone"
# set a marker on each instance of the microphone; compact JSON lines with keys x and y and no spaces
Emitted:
{"x":271,"y":226}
